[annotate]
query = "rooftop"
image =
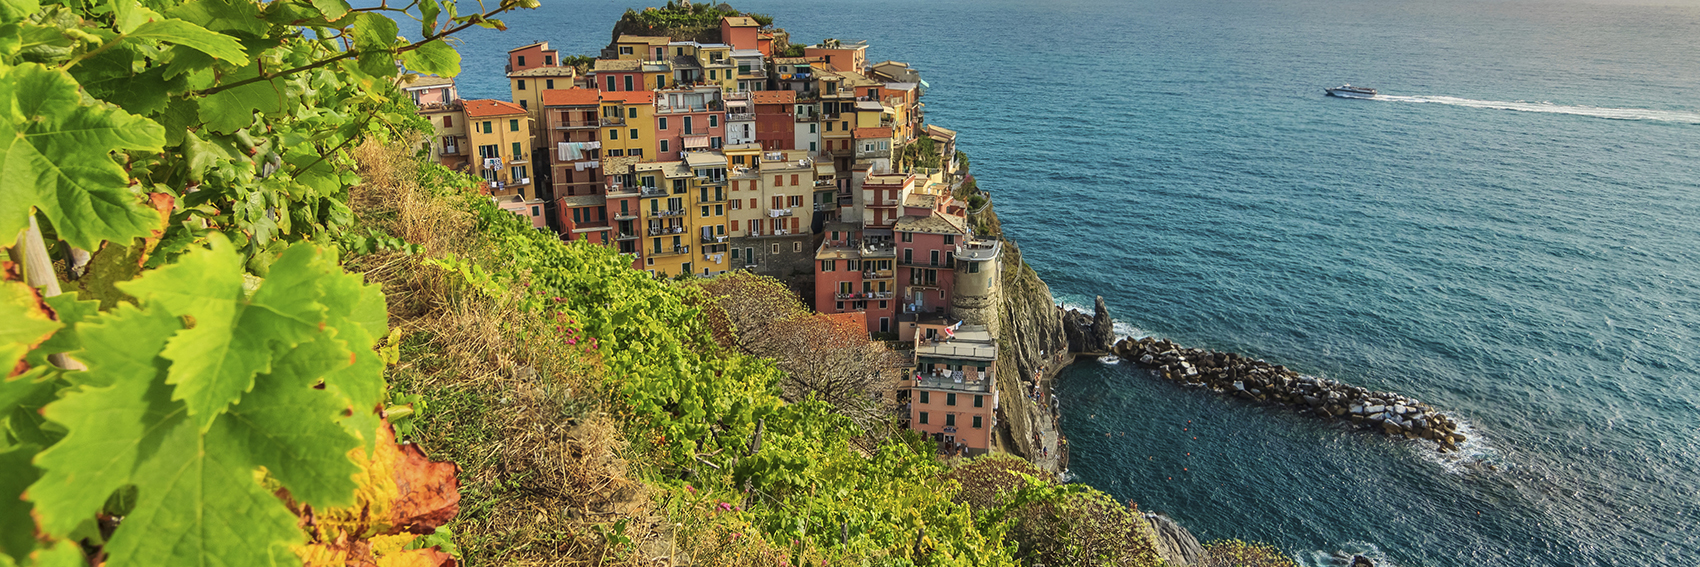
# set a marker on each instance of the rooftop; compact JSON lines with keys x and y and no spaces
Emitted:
{"x":649,"y":39}
{"x":935,"y":223}
{"x":773,"y":97}
{"x":544,"y":72}
{"x":617,"y":64}
{"x":545,"y":45}
{"x":487,"y":107}
{"x":741,"y":22}
{"x":427,"y":81}
{"x":866,"y":133}
{"x":979,"y":250}
{"x":583,"y":201}
{"x":575,"y":96}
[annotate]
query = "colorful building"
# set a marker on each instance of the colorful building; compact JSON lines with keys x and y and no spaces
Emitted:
{"x":688,"y":119}
{"x":775,"y":121}
{"x":741,"y":32}
{"x":952,"y":394}
{"x":840,"y":55}
{"x":572,"y":127}
{"x":531,"y":57}
{"x":639,"y":47}
{"x":629,"y":124}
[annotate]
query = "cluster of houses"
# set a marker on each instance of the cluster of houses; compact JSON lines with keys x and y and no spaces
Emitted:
{"x":701,"y":158}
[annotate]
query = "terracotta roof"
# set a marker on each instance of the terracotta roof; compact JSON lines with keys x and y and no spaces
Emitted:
{"x":773,"y":97}
{"x":741,"y":21}
{"x":861,"y":133}
{"x":617,"y":64}
{"x":629,"y":97}
{"x":487,"y":107}
{"x":423,"y":81}
{"x":935,"y":223}
{"x":530,"y":45}
{"x":545,"y":72}
{"x":571,"y":97}
{"x":649,"y":39}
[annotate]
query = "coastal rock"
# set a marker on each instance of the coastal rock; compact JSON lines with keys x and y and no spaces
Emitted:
{"x":1361,"y":561}
{"x":1103,"y":328}
{"x":1175,"y":544}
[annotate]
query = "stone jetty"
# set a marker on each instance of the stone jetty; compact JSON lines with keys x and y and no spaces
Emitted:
{"x":1234,"y":375}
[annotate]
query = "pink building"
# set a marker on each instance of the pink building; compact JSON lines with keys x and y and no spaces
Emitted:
{"x":950,"y":395}
{"x":740,"y":32}
{"x":688,"y":119}
{"x":855,"y":273}
{"x":926,"y":261}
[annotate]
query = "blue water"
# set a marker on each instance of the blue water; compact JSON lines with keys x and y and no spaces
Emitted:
{"x":1513,"y":235}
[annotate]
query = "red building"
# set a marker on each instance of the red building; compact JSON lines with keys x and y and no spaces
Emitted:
{"x":531,"y":57}
{"x":776,"y":125}
{"x":740,"y":32}
{"x":571,"y":123}
{"x":854,"y":272}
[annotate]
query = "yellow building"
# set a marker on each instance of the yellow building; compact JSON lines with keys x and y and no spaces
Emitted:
{"x":628,"y":124}
{"x":708,"y":187}
{"x":527,"y":89}
{"x":500,"y":133}
{"x":669,"y":230}
{"x":641,"y":47}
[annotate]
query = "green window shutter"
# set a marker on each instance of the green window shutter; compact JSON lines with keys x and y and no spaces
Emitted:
{"x":513,"y":125}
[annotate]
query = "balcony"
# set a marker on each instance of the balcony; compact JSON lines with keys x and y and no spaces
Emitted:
{"x":949,"y":263}
{"x":450,"y":151}
{"x":871,"y":154}
{"x":653,"y":192}
{"x":625,"y":236}
{"x":625,"y":216}
{"x":740,"y":116}
{"x":878,"y":274}
{"x":940,"y":381}
{"x":613,"y":121}
{"x":618,"y":189}
{"x":826,"y":184}
{"x":808,"y":118}
{"x":770,"y":232}
{"x":572,"y":124}
{"x":716,"y":198}
{"x":712,"y":239}
{"x":866,"y":295}
{"x":824,"y":207}
{"x":671,"y":250}
{"x":777,"y":213}
{"x":665,"y":230}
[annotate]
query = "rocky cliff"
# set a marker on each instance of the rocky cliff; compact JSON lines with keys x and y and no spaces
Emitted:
{"x":1093,"y":333}
{"x":1031,"y":345}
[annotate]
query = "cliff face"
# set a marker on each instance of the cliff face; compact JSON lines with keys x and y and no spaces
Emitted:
{"x":1093,"y":333}
{"x":1031,"y":343}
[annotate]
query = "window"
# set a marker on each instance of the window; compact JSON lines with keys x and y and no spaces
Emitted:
{"x":625,"y":50}
{"x":663,"y":146}
{"x":549,"y":83}
{"x":711,"y":74}
{"x":522,"y":60}
{"x":720,"y":210}
{"x":534,"y":210}
{"x":713,"y":120}
{"x":950,"y":420}
{"x":812,"y":146}
{"x":774,"y":249}
{"x":634,"y":134}
{"x":950,"y":399}
{"x":908,"y":255}
{"x":934,"y":259}
{"x":795,"y":200}
{"x":513,"y":124}
{"x":828,"y":265}
{"x":616,"y":153}
{"x":518,"y":151}
{"x":924,"y":397}
{"x":661,"y":124}
{"x":750,"y":255}
{"x":688,"y":125}
{"x":629,"y":82}
{"x":840,"y":305}
{"x":576,"y":218}
{"x":631,"y":112}
{"x":979,"y":400}
{"x":923,"y":415}
{"x":611,"y":84}
{"x":828,"y":127}
{"x":949,"y":239}
{"x":812,"y":128}
{"x":518,"y":172}
{"x":908,"y":237}
{"x":734,"y":250}
{"x":705,"y":211}
{"x":487,"y":129}
{"x":448,"y":121}
{"x":522,"y":82}
{"x":522,"y":104}
{"x":885,"y":323}
{"x":973,"y":267}
{"x":845,"y":126}
{"x":549,"y":60}
{"x":613,"y":134}
{"x":796,"y":246}
{"x":714,"y":142}
{"x":977,"y":422}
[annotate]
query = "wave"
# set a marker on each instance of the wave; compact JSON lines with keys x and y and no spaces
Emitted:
{"x":1473,"y":455}
{"x":1547,"y":107}
{"x":1343,"y":557}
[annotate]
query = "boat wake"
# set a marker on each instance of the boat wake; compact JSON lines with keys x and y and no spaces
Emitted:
{"x":1547,"y":107}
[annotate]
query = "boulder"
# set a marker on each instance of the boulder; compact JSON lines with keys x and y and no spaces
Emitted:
{"x":1361,"y":561}
{"x":1175,"y":544}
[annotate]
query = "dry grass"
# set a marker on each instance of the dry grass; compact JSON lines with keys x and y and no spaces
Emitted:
{"x":541,"y":464}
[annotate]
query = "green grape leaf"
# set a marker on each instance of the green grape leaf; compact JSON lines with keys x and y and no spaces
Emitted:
{"x":332,"y":9}
{"x":127,"y":15}
{"x":291,"y":428}
{"x":55,"y":157}
{"x":27,"y":323}
{"x":194,"y":37}
{"x":70,"y":311}
{"x":233,"y":109}
{"x":61,"y":554}
{"x":15,"y":10}
{"x":434,"y":57}
{"x":197,"y":503}
{"x":217,"y":359}
{"x":109,"y":420}
{"x":222,"y":16}
{"x":428,"y":12}
{"x":16,"y":474}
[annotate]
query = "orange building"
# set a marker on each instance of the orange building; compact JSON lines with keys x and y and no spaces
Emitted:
{"x":951,"y":393}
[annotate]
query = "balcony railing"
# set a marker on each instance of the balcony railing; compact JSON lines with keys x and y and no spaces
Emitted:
{"x":565,"y":124}
{"x":865,"y":295}
{"x":617,"y":189}
{"x":671,"y":213}
{"x":878,"y":274}
{"x":948,"y":263}
{"x":451,"y":151}
{"x":664,"y":230}
{"x":938,"y":381}
{"x":712,"y":199}
{"x":625,"y":216}
{"x":776,"y":213}
{"x":671,"y":250}
{"x":824,"y":207}
{"x":740,"y":116}
{"x":808,"y":118}
{"x":613,"y":121}
{"x":712,"y":239}
{"x":653,"y":192}
{"x":625,"y":236}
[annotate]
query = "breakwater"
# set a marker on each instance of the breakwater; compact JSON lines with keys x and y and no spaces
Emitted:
{"x":1257,"y":380}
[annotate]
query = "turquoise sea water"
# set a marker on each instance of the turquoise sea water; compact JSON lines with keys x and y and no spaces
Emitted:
{"x":1513,"y":234}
